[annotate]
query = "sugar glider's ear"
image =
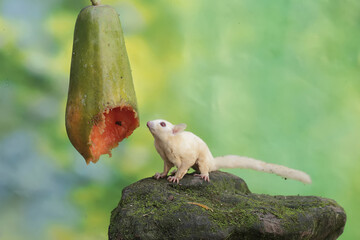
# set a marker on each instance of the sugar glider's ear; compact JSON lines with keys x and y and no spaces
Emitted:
{"x":179,"y":128}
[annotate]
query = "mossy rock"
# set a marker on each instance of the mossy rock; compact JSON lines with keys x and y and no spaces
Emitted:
{"x":222,"y":209}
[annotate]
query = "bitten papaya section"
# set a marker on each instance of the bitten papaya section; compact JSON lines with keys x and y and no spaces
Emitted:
{"x":117,"y":124}
{"x":101,"y":108}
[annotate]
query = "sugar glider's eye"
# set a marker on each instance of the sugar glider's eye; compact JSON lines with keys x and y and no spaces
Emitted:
{"x":163,"y":124}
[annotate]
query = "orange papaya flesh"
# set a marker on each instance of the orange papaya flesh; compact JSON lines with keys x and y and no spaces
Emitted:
{"x":115,"y":125}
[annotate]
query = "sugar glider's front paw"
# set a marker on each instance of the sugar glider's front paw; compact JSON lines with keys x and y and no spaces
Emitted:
{"x":159,"y":175}
{"x":173,"y":179}
{"x":203,"y":176}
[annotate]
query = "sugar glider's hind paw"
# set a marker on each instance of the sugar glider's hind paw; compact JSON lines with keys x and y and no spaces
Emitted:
{"x":158,"y":175}
{"x":173,"y":179}
{"x":203,"y":176}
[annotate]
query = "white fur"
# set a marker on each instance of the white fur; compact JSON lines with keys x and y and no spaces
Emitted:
{"x":185,"y":150}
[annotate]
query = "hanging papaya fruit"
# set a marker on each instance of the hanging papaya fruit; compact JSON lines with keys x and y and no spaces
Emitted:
{"x":101,"y":107}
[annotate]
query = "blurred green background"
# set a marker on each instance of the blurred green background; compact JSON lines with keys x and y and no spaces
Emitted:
{"x":274,"y":80}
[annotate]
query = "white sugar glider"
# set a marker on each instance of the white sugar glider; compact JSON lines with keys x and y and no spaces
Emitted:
{"x":185,"y":150}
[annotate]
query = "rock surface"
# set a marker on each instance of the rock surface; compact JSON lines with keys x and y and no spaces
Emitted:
{"x":221,"y":209}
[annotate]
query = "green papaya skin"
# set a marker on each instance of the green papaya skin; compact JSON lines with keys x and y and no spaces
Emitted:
{"x":101,"y":107}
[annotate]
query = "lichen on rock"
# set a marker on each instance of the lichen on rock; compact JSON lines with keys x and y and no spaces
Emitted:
{"x":222,"y":209}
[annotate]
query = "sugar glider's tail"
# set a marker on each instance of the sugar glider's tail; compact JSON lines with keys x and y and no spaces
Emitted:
{"x":233,"y":161}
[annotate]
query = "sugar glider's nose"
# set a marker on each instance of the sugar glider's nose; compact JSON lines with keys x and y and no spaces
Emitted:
{"x":148,"y":124}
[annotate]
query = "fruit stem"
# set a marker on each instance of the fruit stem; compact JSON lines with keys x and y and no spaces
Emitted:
{"x":95,"y":2}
